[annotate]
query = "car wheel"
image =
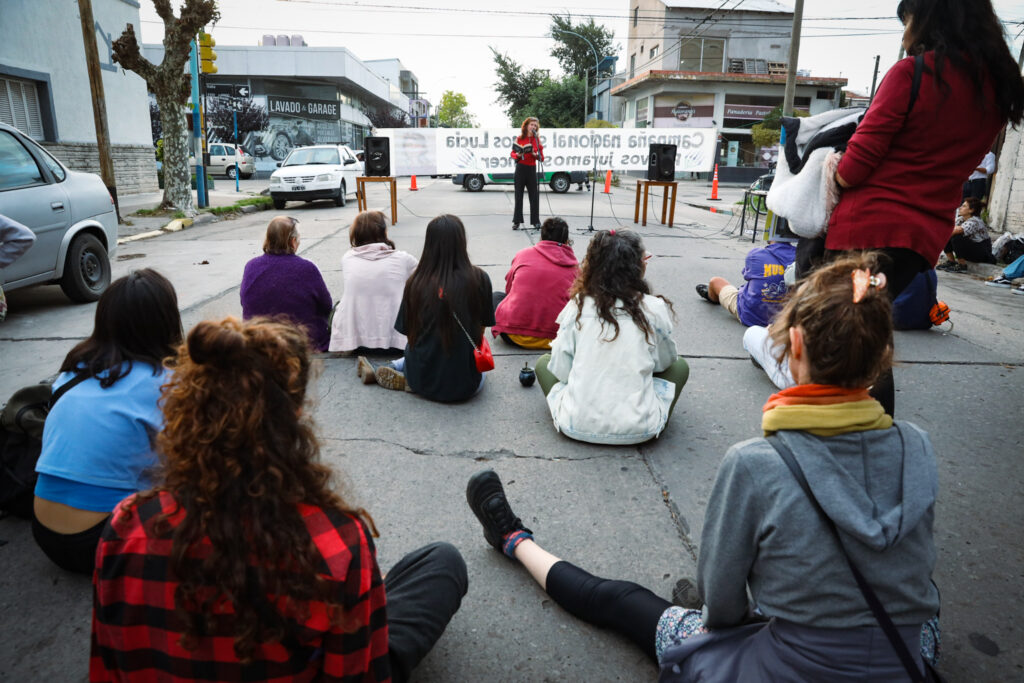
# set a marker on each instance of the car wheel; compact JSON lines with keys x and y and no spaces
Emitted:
{"x":340,"y":199}
{"x":280,"y":147}
{"x":86,"y":269}
{"x":560,"y":183}
{"x":474,"y":183}
{"x":279,"y":203}
{"x":231,"y":172}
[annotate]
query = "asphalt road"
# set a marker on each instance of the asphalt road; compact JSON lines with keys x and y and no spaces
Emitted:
{"x":626,"y":512}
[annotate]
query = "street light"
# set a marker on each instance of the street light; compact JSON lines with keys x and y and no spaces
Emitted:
{"x":586,"y":106}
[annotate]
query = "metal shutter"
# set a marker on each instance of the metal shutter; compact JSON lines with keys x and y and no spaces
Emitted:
{"x":19,"y":106}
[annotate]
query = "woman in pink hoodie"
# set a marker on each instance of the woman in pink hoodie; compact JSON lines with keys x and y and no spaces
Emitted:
{"x":536,"y":289}
{"x":374,"y":274}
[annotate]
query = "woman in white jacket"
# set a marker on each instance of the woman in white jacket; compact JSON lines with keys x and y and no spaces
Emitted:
{"x":374,"y":273}
{"x":613,"y":375}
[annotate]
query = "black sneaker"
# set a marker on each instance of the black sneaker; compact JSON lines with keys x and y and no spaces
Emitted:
{"x":515,"y":226}
{"x":686,"y":595}
{"x":486,"y":498}
{"x":1000,"y":282}
{"x":536,"y":226}
{"x":702,"y":290}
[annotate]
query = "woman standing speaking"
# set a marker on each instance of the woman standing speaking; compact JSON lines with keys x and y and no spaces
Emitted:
{"x":526,"y":151}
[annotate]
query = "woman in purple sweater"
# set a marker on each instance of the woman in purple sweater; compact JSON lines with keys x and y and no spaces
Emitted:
{"x":279,"y":283}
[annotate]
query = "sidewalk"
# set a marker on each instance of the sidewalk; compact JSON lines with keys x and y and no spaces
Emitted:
{"x":133,"y":225}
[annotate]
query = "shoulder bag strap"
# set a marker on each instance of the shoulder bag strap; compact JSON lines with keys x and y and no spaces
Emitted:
{"x":915,"y":85}
{"x":459,"y":323}
{"x":67,"y":386}
{"x":869,"y":594}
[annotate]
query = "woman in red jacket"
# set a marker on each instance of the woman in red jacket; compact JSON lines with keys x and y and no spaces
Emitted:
{"x":526,"y":151}
{"x":536,"y":289}
{"x":903,"y":170}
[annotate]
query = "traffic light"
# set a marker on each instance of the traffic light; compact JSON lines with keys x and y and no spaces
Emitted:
{"x":207,"y":56}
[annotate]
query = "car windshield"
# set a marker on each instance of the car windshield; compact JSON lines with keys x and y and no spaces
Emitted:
{"x":302,"y":157}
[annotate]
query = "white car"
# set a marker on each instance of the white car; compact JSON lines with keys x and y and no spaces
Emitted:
{"x":316,"y":172}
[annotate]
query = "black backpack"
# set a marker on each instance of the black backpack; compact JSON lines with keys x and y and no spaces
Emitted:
{"x":21,"y":441}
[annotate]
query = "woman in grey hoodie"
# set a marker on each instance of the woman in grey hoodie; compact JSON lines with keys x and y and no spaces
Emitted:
{"x":779,"y":600}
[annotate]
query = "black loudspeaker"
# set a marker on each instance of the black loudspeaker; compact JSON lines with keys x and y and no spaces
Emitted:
{"x":378,"y":156}
{"x":661,"y":162}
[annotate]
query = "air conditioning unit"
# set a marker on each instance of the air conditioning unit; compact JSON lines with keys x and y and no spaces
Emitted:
{"x":268,"y":40}
{"x":283,"y":41}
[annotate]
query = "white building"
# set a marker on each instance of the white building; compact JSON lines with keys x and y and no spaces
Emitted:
{"x":405,"y":82}
{"x":44,"y":87}
{"x":693,"y":64}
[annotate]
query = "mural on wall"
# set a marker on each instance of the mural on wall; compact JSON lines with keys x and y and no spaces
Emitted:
{"x":684,"y":111}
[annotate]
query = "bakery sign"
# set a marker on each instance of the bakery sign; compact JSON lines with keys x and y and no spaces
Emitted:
{"x":683,"y":110}
{"x":299,"y":107}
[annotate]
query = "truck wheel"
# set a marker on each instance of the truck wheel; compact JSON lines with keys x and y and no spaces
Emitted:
{"x":560,"y":183}
{"x":474,"y":183}
{"x":86,"y":269}
{"x":340,"y":199}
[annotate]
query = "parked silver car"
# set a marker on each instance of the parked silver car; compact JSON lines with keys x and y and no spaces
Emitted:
{"x":71,"y":213}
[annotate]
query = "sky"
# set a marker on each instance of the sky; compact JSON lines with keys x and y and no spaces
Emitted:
{"x":446,"y":42}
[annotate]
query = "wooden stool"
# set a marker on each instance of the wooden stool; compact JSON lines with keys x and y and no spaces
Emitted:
{"x":361,"y":193}
{"x":667,"y":184}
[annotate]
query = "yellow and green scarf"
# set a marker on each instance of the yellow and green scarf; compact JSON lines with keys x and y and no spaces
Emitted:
{"x":823,"y":410}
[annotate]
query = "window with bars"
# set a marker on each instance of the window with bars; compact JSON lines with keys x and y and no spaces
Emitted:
{"x":19,"y":106}
{"x":702,"y":54}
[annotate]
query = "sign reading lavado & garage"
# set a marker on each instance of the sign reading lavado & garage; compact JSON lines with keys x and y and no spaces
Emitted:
{"x":326,"y":110}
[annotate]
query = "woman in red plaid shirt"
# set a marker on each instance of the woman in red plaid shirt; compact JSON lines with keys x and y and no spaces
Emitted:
{"x":244,"y":564}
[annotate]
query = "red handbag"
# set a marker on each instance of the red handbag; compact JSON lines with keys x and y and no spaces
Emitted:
{"x":482,"y":355}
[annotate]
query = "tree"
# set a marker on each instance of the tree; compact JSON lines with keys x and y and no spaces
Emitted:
{"x":170,"y":83}
{"x":220,"y":114}
{"x":767,"y":133}
{"x":558,"y":104}
{"x":574,"y":55}
{"x":154,"y":122}
{"x":515,"y":84}
{"x":386,"y":117}
{"x":452,"y":112}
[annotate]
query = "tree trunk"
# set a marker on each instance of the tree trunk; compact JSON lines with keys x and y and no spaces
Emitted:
{"x":177,"y":139}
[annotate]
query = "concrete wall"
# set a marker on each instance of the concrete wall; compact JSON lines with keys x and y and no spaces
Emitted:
{"x":134,"y":165}
{"x":42,"y":40}
{"x":1006,"y":210}
{"x":649,"y":31}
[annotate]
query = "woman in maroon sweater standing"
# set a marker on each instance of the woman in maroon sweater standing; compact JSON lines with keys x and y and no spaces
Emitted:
{"x":526,"y":151}
{"x":903,"y":171}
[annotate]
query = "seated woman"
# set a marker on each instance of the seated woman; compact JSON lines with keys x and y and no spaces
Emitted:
{"x":374,"y":273}
{"x":874,"y":479}
{"x":97,"y":441}
{"x":536,"y":289}
{"x":244,"y":565}
{"x":280,"y":283}
{"x":613,"y":375}
{"x":970,"y":240}
{"x":445,"y":308}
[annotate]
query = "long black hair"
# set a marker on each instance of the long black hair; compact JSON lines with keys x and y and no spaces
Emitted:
{"x":969,"y":34}
{"x":444,"y":275}
{"x":137,"y":319}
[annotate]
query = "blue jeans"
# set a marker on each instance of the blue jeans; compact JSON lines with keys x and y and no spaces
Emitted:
{"x":1015,"y":269}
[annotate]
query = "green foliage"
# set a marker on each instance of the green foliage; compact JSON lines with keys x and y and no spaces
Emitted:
{"x":515,"y":84}
{"x":160,"y":150}
{"x":767,"y":133}
{"x":558,"y":104}
{"x":255,"y":201}
{"x":599,"y":123}
{"x":452,"y":111}
{"x":574,"y":55}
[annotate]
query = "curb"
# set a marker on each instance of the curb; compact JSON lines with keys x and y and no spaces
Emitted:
{"x":179,"y":224}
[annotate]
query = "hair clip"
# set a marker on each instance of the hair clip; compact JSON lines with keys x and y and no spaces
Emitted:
{"x":612,"y":231}
{"x":862,"y":279}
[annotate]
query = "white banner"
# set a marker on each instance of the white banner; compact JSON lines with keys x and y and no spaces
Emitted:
{"x":437,"y":151}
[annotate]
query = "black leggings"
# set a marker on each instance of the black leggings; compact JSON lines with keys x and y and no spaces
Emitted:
{"x":620,"y":606}
{"x":526,"y":178}
{"x":71,"y":552}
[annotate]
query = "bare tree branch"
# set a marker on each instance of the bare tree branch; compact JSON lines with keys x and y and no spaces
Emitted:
{"x":127,"y":53}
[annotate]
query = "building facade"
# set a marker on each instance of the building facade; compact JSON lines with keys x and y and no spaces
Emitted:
{"x":44,"y":88}
{"x":691,"y":64}
{"x":395,"y":73}
{"x":312,"y":95}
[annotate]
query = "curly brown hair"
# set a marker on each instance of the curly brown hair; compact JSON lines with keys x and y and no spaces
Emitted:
{"x":239,"y":469}
{"x":613,"y":269}
{"x":848,"y":344}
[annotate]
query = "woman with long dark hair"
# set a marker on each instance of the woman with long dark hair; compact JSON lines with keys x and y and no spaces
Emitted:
{"x":98,"y":439}
{"x":903,"y":170}
{"x":526,"y":151}
{"x":244,"y":564}
{"x":446,"y":305}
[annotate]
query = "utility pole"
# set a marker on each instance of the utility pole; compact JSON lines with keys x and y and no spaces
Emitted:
{"x":874,"y":79}
{"x":99,"y":106}
{"x":794,"y":55}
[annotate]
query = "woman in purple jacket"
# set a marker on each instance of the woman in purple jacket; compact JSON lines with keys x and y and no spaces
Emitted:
{"x":280,"y":283}
{"x":536,"y":289}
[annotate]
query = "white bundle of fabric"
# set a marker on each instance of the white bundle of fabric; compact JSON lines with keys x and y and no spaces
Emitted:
{"x":804,"y":190}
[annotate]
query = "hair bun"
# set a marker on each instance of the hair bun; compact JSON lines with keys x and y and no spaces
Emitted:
{"x":216,"y":343}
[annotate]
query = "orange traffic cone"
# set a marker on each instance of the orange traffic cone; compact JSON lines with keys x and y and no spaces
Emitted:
{"x":714,"y":187}
{"x":608,"y":182}
{"x":413,"y":187}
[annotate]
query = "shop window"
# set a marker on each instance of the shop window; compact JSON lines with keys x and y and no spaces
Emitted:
{"x":702,"y":54}
{"x":19,"y":106}
{"x":641,"y":111}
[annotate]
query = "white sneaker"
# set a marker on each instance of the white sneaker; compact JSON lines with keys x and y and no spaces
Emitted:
{"x":1019,"y":290}
{"x":1000,"y":282}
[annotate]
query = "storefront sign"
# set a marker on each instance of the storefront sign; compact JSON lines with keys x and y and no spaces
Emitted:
{"x":325,"y":110}
{"x":751,"y":112}
{"x":488,"y":150}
